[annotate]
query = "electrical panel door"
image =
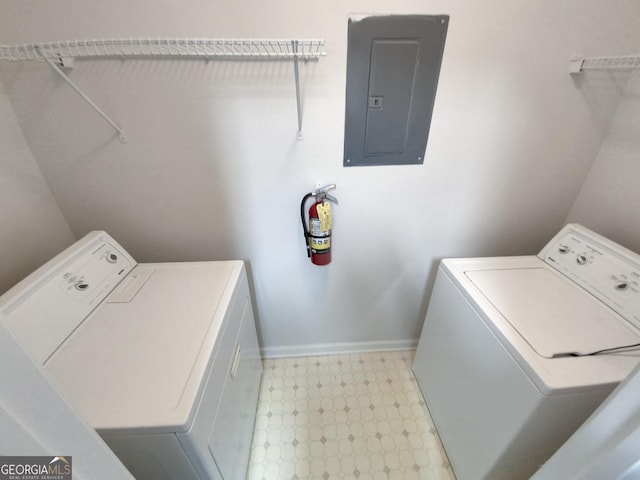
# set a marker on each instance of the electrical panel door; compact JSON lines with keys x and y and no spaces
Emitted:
{"x":393,"y":65}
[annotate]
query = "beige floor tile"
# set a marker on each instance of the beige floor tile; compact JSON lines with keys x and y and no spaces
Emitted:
{"x":340,"y":417}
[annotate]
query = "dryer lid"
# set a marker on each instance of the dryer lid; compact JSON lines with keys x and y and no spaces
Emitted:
{"x":553,"y":315}
{"x":141,"y":365}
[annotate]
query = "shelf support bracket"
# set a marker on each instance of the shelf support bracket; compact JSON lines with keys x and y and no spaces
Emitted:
{"x":294,"y":45}
{"x":69,"y":82}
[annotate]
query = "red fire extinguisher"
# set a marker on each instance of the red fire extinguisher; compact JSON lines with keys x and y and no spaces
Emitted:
{"x":317,"y":235}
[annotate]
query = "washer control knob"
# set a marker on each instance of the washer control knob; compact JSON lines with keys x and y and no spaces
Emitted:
{"x":112,"y":257}
{"x":622,"y":285}
{"x":581,"y":259}
{"x":563,"y":249}
{"x":81,"y":285}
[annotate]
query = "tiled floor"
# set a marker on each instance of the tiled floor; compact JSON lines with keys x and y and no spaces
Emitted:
{"x":357,"y":416}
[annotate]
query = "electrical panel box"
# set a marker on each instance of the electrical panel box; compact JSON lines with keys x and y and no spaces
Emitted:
{"x":393,"y":65}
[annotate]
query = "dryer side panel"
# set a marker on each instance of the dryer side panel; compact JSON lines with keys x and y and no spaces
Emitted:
{"x":153,"y":456}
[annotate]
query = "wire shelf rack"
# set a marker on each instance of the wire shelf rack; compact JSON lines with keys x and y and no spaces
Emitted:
{"x":62,"y":54}
{"x":623,"y":62}
{"x":304,"y":49}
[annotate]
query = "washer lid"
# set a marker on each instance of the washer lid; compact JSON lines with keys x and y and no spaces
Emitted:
{"x":557,"y":320}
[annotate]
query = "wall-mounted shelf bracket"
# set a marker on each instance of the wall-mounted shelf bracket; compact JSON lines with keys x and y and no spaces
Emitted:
{"x":58,"y":70}
{"x":580,"y":64}
{"x":294,"y":46}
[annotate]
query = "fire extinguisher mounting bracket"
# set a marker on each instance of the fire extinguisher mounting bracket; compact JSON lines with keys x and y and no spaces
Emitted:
{"x":321,"y":193}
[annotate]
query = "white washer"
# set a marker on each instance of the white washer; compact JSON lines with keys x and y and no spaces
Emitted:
{"x":495,"y":358}
{"x":161,"y":359}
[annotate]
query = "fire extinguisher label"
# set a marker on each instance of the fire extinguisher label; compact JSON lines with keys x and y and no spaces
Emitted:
{"x":319,"y":245}
{"x":320,"y":240}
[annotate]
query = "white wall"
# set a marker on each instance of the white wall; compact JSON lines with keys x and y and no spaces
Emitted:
{"x":213,"y":169}
{"x":610,"y":197}
{"x":33,"y":228}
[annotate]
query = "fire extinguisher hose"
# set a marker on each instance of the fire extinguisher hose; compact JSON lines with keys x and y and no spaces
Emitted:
{"x":305,"y":230}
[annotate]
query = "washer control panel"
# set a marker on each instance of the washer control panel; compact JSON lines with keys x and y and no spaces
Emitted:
{"x":605,"y":269}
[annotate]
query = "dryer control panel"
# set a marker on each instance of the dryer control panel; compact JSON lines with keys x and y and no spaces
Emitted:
{"x":605,"y":269}
{"x":45,"y":308}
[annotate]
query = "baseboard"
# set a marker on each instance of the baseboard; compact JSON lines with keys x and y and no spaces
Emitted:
{"x":314,"y":349}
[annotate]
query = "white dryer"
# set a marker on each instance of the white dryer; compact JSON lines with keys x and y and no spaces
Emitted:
{"x":516,"y":352}
{"x":161,"y":359}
